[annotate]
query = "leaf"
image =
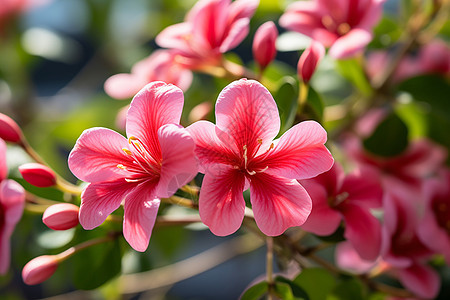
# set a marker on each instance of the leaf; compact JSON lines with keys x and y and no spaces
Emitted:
{"x":286,"y":98}
{"x":348,"y":289}
{"x":390,"y":138}
{"x":314,"y":106}
{"x":256,"y":291}
{"x":296,"y":291}
{"x":351,"y":69}
{"x":308,"y":280}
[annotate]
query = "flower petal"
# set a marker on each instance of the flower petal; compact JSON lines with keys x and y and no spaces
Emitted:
{"x":236,"y":35}
{"x":421,"y":280}
{"x":242,"y":9}
{"x":363,"y":187}
{"x":175,"y":37}
{"x":350,"y":44}
{"x":123,"y":86}
{"x":99,"y":200}
{"x":209,"y":149}
{"x":347,"y":258}
{"x":96,"y":155}
{"x":221,"y":203}
{"x":362,"y":230}
{"x":179,"y":165}
{"x":300,"y":152}
{"x":3,"y":166}
{"x":140,"y":212}
{"x":246,"y":114}
{"x":157,"y":104}
{"x":278,"y":203}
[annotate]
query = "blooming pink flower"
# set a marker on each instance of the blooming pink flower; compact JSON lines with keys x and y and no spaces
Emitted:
{"x":434,"y":229}
{"x":309,"y":60}
{"x":337,"y":196}
{"x":212,"y":27}
{"x":238,"y":153}
{"x":156,"y":159}
{"x":343,"y":25}
{"x":264,"y":50}
{"x":12,"y":202}
{"x":160,"y":65}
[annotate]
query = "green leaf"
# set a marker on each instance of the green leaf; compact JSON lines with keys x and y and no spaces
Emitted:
{"x":390,"y":138}
{"x":314,"y":105}
{"x":256,"y":291}
{"x":351,"y":69}
{"x":283,"y":291}
{"x":308,"y":280}
{"x":295,"y":290}
{"x":348,"y":289}
{"x":386,"y":32}
{"x":286,"y":98}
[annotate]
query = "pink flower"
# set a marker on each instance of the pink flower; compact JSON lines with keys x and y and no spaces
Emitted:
{"x":160,"y":65}
{"x":212,"y":27}
{"x":343,"y":25}
{"x":348,"y":258}
{"x":434,"y":229}
{"x":264,"y":50}
{"x":156,"y":159}
{"x":238,"y":153}
{"x":9,"y":130}
{"x":337,"y":196}
{"x":309,"y":60}
{"x":12,"y":202}
{"x":38,"y":175}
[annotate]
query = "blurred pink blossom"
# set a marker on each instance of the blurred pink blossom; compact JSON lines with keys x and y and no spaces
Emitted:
{"x":161,"y":65}
{"x":12,"y":202}
{"x":263,"y":48}
{"x":309,"y":60}
{"x":336,"y":197}
{"x":345,"y":26}
{"x":156,"y":159}
{"x":212,"y":27}
{"x":239,"y":153}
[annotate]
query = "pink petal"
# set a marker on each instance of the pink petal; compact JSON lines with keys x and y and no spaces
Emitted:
{"x":435,"y":237}
{"x":300,"y":152}
{"x":323,"y":220}
{"x":278,"y":203}
{"x":221,"y":203}
{"x":175,"y":37}
{"x":309,"y":60}
{"x":350,"y":44}
{"x":3,"y":166}
{"x":264,"y":40}
{"x":363,"y":231}
{"x":96,"y":155}
{"x":364,"y":187}
{"x":157,"y":104}
{"x":372,"y":14}
{"x":123,"y":86}
{"x":242,"y":9}
{"x":421,"y":280}
{"x":348,"y":259}
{"x":140,"y":212}
{"x":236,"y":35}
{"x":208,"y":148}
{"x":12,"y":203}
{"x":179,"y":165}
{"x":246,"y":114}
{"x":99,"y":200}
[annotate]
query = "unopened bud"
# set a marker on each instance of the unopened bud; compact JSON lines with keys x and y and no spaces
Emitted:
{"x":38,"y":174}
{"x":61,"y":216}
{"x":9,"y":130}
{"x":309,"y":60}
{"x":264,"y":44}
{"x":39,"y":269}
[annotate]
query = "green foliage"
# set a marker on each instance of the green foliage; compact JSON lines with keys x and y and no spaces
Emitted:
{"x":286,"y":98}
{"x":256,"y":292}
{"x":316,"y":282}
{"x":351,"y":69}
{"x":348,"y":289}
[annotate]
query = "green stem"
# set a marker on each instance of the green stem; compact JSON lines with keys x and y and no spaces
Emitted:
{"x":269,"y":266}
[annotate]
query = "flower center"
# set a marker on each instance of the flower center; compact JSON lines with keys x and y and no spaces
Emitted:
{"x":250,"y":167}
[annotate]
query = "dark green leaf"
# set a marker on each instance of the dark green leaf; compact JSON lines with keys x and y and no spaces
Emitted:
{"x":348,"y":289}
{"x":286,"y":98}
{"x":316,"y":282}
{"x":296,"y":291}
{"x":283,"y":291}
{"x":390,"y":138}
{"x":255,"y":292}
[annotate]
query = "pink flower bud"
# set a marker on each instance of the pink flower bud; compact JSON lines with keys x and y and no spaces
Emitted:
{"x":38,"y":175}
{"x":39,"y":269}
{"x":9,"y":130}
{"x":309,"y":59}
{"x":61,"y":216}
{"x":264,"y":44}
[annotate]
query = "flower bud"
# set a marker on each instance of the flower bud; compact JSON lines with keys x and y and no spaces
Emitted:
{"x":61,"y":216}
{"x":39,"y":269}
{"x":9,"y":130}
{"x":308,"y":61}
{"x":264,"y":44}
{"x":38,"y":174}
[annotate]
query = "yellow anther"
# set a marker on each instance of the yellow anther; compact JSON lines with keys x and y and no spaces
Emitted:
{"x":127,"y":152}
{"x":343,"y":28}
{"x":120,"y":166}
{"x":259,"y":141}
{"x":327,"y":21}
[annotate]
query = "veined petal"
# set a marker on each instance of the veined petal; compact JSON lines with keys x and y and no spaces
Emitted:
{"x":300,"y":152}
{"x":235,"y":35}
{"x":209,"y":149}
{"x":179,"y":165}
{"x":363,"y":231}
{"x":323,"y":220}
{"x":99,"y":200}
{"x":221,"y":203}
{"x":140,"y":212}
{"x":157,"y":104}
{"x":278,"y":203}
{"x":96,"y":155}
{"x":363,"y":187}
{"x":421,"y":280}
{"x":351,"y":43}
{"x":247,"y":113}
{"x":3,"y":166}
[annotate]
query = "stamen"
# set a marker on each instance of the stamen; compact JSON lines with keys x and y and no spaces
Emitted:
{"x":120,"y":166}
{"x":328,"y":22}
{"x":251,"y":172}
{"x":343,"y":28}
{"x":133,"y":180}
{"x":127,"y":152}
{"x":245,"y":156}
